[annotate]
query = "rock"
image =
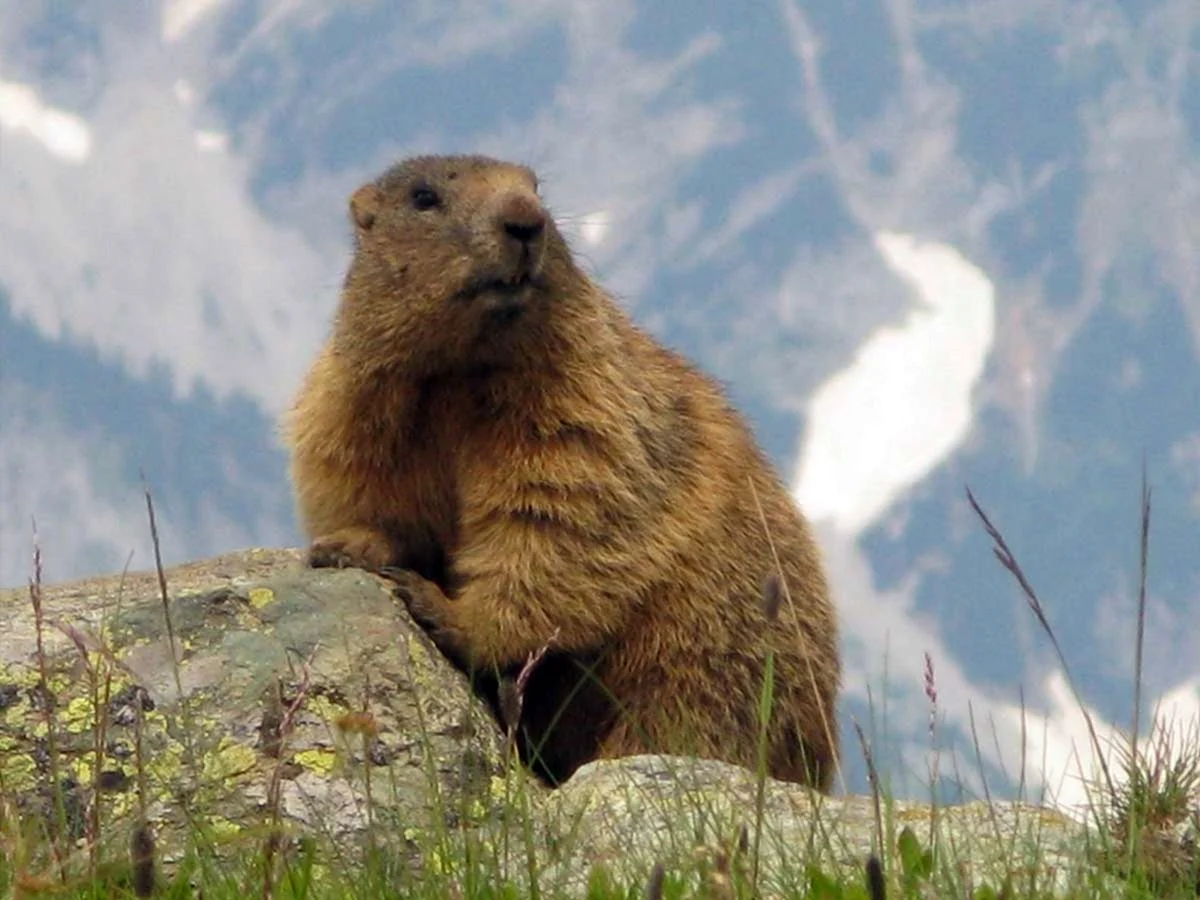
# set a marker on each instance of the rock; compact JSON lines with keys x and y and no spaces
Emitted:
{"x":285,"y":697}
{"x":312,"y":686}
{"x":628,"y":814}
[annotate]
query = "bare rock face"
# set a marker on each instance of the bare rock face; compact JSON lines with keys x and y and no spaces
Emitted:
{"x":262,"y":694}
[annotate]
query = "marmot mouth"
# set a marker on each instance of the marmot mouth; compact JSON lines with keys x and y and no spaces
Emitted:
{"x":509,"y":286}
{"x":503,"y":300}
{"x":500,"y":290}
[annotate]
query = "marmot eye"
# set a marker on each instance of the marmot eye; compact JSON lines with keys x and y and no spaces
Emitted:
{"x":425,"y":197}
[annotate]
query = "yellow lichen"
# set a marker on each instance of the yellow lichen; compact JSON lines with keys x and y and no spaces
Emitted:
{"x":17,"y":771}
{"x":319,"y":759}
{"x":81,"y":767}
{"x":25,"y":676}
{"x":122,"y":804}
{"x":439,"y":862}
{"x":222,"y":828}
{"x":324,"y":707}
{"x":154,"y":719}
{"x":261,"y":596}
{"x":416,"y":651}
{"x":498,"y":787}
{"x":165,"y":764}
{"x":15,"y":714}
{"x":108,"y":637}
{"x":229,"y":760}
{"x":476,"y":808}
{"x":79,"y":716}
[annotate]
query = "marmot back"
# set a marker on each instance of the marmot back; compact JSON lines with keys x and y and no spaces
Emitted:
{"x":490,"y":429}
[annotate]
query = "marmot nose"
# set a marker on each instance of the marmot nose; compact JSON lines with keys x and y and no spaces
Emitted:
{"x":525,"y":228}
{"x":521,"y":217}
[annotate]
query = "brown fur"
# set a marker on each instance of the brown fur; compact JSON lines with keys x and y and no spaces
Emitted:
{"x":555,"y":476}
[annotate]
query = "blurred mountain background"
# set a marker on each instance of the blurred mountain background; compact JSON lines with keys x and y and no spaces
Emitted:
{"x":926,"y":244}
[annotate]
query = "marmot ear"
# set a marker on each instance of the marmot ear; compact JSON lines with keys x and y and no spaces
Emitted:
{"x":364,"y":205}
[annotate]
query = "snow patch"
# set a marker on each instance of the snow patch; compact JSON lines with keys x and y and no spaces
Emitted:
{"x":880,"y":426}
{"x":212,"y":141}
{"x":180,"y":16}
{"x":64,"y":134}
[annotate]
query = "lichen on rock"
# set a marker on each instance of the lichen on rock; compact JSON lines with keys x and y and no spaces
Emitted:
{"x":277,"y":690}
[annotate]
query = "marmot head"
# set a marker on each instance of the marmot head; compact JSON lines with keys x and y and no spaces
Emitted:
{"x":457,"y":263}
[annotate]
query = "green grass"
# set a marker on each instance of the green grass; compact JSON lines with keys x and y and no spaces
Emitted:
{"x":51,"y":844}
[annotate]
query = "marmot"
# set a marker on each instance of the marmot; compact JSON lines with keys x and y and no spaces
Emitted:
{"x":487,"y":419}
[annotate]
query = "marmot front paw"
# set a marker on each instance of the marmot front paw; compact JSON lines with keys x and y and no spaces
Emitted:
{"x":430,"y":608}
{"x":361,"y":548}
